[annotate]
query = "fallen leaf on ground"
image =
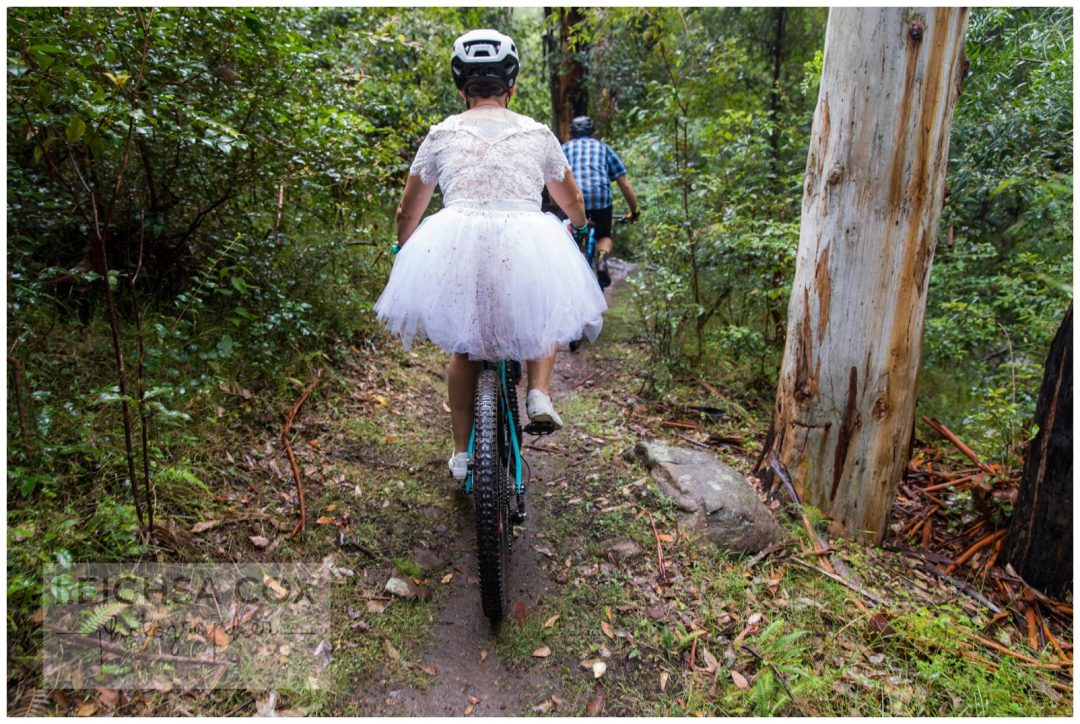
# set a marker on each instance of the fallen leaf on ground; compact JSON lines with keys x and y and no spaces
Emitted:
{"x":204,"y":525}
{"x":483,"y":655}
{"x":544,"y":549}
{"x":87,"y":708}
{"x":324,"y":520}
{"x":375,"y":607}
{"x":390,"y":651}
{"x":551,"y":621}
{"x":218,"y":636}
{"x":469,"y":709}
{"x":598,"y":669}
{"x":544,"y":707}
{"x":429,"y":670}
{"x":739,"y":679}
{"x":711,"y":663}
{"x":542,"y":652}
{"x":665,"y":538}
{"x":595,"y":705}
{"x":664,"y":676}
{"x":280,"y":591}
{"x":606,"y":628}
{"x":473,"y":700}
{"x":259,"y":541}
{"x":448,"y":577}
{"x":108,"y":697}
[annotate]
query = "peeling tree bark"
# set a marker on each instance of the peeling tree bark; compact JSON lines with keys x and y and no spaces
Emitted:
{"x":873,"y":193}
{"x":1040,"y":540}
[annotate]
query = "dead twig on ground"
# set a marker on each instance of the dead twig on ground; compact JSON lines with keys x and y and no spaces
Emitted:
{"x":960,"y":445}
{"x":300,"y":524}
{"x":779,"y":676}
{"x":121,"y":651}
{"x":844,"y":582}
{"x":979,"y":545}
{"x":659,"y":549}
{"x":692,"y":441}
{"x":579,"y":384}
{"x":934,"y":570}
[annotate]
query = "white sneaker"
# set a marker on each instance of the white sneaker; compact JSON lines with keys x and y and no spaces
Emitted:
{"x":538,"y":405}
{"x":459,"y":465}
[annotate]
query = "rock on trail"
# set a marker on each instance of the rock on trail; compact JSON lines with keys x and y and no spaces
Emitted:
{"x":718,"y":501}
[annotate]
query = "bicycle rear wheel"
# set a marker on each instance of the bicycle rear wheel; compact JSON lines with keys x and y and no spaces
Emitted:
{"x":491,"y":498}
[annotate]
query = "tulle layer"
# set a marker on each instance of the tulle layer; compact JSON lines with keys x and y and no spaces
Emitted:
{"x":492,"y":284}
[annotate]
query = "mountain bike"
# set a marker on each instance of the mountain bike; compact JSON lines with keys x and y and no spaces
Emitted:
{"x":588,"y":250}
{"x":495,"y":478}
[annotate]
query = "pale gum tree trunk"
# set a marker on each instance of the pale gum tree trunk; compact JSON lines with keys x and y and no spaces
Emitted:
{"x":875,"y":179}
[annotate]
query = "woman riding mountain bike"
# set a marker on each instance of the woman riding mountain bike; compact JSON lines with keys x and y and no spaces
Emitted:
{"x":490,"y":277}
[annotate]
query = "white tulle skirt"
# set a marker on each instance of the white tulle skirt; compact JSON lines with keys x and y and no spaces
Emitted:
{"x":494,"y":281}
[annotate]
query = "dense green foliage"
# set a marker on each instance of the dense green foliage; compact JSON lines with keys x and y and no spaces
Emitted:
{"x":1001,"y":280}
{"x":715,"y":128}
{"x":240,"y":168}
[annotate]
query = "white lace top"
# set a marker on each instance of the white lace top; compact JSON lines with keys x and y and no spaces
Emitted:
{"x":490,"y":155}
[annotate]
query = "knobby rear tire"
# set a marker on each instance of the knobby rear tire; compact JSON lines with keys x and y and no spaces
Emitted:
{"x":490,"y":499}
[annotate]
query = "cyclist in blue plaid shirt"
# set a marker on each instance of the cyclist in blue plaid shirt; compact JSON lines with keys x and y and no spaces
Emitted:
{"x":595,"y":166}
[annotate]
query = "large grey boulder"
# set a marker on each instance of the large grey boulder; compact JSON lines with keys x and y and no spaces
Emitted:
{"x":718,"y":501}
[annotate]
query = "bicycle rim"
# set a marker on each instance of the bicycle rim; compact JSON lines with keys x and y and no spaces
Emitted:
{"x":490,"y":488}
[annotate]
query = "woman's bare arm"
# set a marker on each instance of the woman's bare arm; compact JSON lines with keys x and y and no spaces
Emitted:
{"x":566,"y":194}
{"x":414,"y":201}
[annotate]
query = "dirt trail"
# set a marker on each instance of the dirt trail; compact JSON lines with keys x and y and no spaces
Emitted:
{"x":461,"y":647}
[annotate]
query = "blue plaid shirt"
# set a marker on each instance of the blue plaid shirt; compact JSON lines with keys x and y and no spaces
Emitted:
{"x":594,"y":166}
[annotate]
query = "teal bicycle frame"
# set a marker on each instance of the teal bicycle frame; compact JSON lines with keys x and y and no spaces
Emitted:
{"x":519,"y":486}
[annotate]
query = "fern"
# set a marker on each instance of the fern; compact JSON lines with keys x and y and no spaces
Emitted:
{"x":100,"y":617}
{"x":37,"y":704}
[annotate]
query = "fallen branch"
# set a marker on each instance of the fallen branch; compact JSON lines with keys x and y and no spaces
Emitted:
{"x":579,"y":384}
{"x":949,"y":484}
{"x":121,"y":651}
{"x":769,"y":550}
{"x":659,"y":549}
{"x":979,"y":545}
{"x":844,"y":582}
{"x":692,"y":441}
{"x":931,"y":568}
{"x":960,"y":445}
{"x":819,"y":544}
{"x":680,"y":423}
{"x":300,"y":524}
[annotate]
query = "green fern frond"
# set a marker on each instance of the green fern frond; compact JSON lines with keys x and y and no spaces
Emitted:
{"x":100,"y":616}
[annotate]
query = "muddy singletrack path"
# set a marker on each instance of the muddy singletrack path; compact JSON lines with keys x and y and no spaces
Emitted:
{"x":471,"y":678}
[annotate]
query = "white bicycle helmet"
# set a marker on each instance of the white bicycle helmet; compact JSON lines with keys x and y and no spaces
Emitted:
{"x":484,"y":54}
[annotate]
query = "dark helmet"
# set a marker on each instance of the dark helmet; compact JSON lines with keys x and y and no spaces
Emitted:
{"x":582,"y":126}
{"x":484,"y":54}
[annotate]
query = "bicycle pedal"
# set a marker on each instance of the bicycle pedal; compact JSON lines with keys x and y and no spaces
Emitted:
{"x":540,"y":428}
{"x":517,"y":517}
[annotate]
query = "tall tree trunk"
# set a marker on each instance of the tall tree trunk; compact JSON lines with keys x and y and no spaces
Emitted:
{"x":569,"y":95}
{"x":1040,"y":538}
{"x":874,"y":184}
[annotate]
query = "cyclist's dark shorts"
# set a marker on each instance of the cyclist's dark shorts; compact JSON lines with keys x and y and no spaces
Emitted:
{"x":601,"y":219}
